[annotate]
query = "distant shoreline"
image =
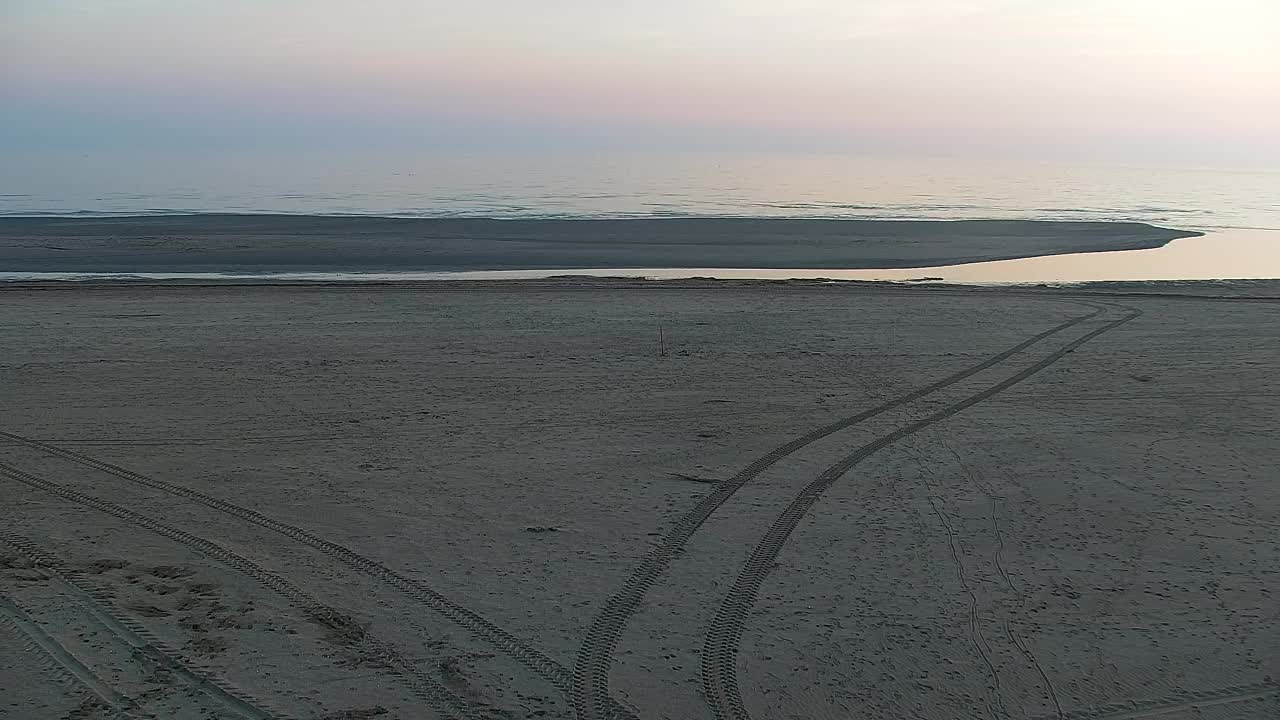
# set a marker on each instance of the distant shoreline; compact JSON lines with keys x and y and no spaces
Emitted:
{"x":318,"y":243}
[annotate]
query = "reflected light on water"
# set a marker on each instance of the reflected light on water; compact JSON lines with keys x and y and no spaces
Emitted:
{"x":1225,"y":255}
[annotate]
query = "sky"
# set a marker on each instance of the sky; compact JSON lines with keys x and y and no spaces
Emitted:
{"x":1102,"y":79}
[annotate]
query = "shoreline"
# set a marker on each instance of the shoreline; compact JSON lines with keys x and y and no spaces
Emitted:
{"x":299,"y":243}
{"x":1248,"y":290}
{"x":1216,"y":257}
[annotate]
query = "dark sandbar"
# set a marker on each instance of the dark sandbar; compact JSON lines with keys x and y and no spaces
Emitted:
{"x":280,"y":243}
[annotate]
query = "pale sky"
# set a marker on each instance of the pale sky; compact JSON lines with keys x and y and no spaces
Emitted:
{"x":1099,"y":78}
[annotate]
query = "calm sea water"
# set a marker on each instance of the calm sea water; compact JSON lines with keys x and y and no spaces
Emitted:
{"x":1239,"y":209}
{"x":624,"y":185}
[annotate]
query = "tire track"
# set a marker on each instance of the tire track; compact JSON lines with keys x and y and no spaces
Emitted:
{"x":536,"y":661}
{"x":724,"y":635}
{"x":144,"y":643}
{"x":63,"y":662}
{"x":423,"y":686}
{"x":595,"y":657}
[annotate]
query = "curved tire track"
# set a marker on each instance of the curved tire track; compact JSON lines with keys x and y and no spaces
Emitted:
{"x":142,"y":641}
{"x":536,"y":661}
{"x":724,"y":635}
{"x":426,"y":688}
{"x":595,"y":657}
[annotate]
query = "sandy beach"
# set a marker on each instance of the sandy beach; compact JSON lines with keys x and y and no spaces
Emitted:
{"x":604,"y":499}
{"x":276,"y":243}
{"x":871,"y":360}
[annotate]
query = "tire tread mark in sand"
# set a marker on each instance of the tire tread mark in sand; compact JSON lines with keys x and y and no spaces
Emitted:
{"x":724,"y":635}
{"x":440,"y":699}
{"x":534,"y":660}
{"x":62,"y":662}
{"x":595,"y":658}
{"x":143,"y":641}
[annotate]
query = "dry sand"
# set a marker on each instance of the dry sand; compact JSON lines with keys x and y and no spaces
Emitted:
{"x":827,"y":501}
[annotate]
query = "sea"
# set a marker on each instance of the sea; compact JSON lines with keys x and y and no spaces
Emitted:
{"x":1238,"y":208}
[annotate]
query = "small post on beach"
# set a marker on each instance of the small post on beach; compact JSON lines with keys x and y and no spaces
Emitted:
{"x":662,"y":342}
